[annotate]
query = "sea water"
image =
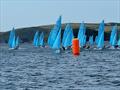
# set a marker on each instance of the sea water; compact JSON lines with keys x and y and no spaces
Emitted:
{"x":34,"y":68}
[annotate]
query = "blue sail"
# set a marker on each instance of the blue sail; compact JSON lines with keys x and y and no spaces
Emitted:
{"x":65,"y":33}
{"x":35,"y":40}
{"x":114,"y":42}
{"x":17,"y":41}
{"x":113,"y":36}
{"x":100,"y":31}
{"x":10,"y":39}
{"x":41,"y":39}
{"x":67,"y":36}
{"x":54,"y":32}
{"x":100,"y":37}
{"x":57,"y":42}
{"x":84,"y":40}
{"x":49,"y":39}
{"x":91,"y":42}
{"x":58,"y":23}
{"x":68,"y":40}
{"x":100,"y":43}
{"x":96,"y":40}
{"x":81,"y":34}
{"x":11,"y":36}
{"x":13,"y":42}
{"x":53,"y":36}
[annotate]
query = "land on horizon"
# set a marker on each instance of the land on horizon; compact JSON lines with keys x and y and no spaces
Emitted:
{"x":26,"y":34}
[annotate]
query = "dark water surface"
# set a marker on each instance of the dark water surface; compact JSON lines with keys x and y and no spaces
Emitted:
{"x":32,"y":68}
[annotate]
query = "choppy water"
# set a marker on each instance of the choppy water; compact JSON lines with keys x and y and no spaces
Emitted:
{"x":32,"y":68}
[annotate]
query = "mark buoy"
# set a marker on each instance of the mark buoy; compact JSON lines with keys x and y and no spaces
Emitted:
{"x":75,"y":47}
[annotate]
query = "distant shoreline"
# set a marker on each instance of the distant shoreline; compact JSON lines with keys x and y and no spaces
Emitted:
{"x":26,"y":34}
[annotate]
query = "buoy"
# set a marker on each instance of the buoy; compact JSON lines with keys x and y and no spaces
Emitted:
{"x":75,"y":47}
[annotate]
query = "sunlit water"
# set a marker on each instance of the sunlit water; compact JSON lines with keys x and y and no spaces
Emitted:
{"x":31,"y":68}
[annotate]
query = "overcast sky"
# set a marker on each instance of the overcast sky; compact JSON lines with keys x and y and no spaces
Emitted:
{"x":27,"y":13}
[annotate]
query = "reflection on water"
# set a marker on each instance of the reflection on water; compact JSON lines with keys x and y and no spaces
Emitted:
{"x":32,"y":68}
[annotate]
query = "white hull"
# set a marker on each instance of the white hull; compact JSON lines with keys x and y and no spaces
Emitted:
{"x":13,"y":48}
{"x":112,"y":47}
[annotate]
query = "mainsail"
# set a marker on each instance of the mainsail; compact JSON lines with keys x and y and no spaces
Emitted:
{"x":17,"y":41}
{"x":13,"y":42}
{"x":11,"y":37}
{"x":35,"y":40}
{"x":41,"y":39}
{"x":100,"y":43}
{"x":57,"y":42}
{"x":54,"y":32}
{"x":100,"y":37}
{"x":113,"y":36}
{"x":67,"y":36}
{"x":81,"y":35}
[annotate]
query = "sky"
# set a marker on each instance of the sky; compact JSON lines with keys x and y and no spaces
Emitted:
{"x":28,"y":13}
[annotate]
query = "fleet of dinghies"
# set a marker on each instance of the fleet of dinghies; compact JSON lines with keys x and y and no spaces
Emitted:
{"x":56,"y":41}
